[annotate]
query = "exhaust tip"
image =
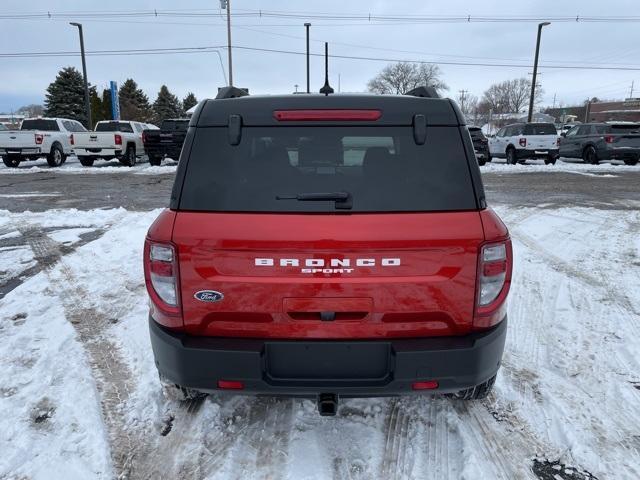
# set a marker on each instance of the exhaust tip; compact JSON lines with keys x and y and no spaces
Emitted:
{"x":327,"y":404}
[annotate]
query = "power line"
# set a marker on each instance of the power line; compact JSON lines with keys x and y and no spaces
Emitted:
{"x":204,"y":49}
{"x":361,"y":17}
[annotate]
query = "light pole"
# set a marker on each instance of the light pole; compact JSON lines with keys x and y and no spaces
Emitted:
{"x":307,"y":25}
{"x":535,"y":71}
{"x":87,"y":106}
{"x":227,"y":4}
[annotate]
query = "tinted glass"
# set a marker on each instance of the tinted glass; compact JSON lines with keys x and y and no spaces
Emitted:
{"x":114,"y":127}
{"x":40,"y":124}
{"x":2,"y":127}
{"x":382,"y":169}
{"x":625,"y":128}
{"x":476,"y":133}
{"x":600,"y":129}
{"x":175,"y":125}
{"x":540,"y":129}
{"x":584,"y":130}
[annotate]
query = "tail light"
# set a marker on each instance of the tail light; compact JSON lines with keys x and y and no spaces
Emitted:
{"x":71,"y":140}
{"x":230,"y":385}
{"x":495,"y":264}
{"x":523,"y":142}
{"x":144,"y":137}
{"x":558,"y":141}
{"x":161,"y":278}
{"x":39,"y":138}
{"x":608,"y":138}
{"x":118,"y":139}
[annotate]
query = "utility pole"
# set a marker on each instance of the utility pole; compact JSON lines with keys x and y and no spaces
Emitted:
{"x":87,"y":105}
{"x":535,"y":70}
{"x":306,"y":26}
{"x":227,"y":4}
{"x":462,"y":99}
{"x":631,"y":93}
{"x":554,"y":100}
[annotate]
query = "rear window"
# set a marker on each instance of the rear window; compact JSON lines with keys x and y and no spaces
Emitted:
{"x":381,"y":168}
{"x":114,"y":127}
{"x":624,"y":128}
{"x":476,"y":133}
{"x":540,"y":129}
{"x":175,"y":125}
{"x":40,"y":124}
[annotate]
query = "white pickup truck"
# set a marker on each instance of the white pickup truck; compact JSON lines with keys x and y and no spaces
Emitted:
{"x":111,"y":139}
{"x":39,"y":137}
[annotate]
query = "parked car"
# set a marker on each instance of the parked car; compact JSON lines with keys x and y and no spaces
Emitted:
{"x":3,"y":128}
{"x":327,"y":246}
{"x":480,"y":145}
{"x":562,"y":129}
{"x":167,"y":141}
{"x":38,"y":137}
{"x":111,"y":139}
{"x":522,"y":141}
{"x":603,"y":141}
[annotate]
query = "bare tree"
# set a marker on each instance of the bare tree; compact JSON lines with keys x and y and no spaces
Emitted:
{"x":510,"y":96}
{"x":467,"y":102}
{"x":518,"y":92}
{"x":401,"y":77}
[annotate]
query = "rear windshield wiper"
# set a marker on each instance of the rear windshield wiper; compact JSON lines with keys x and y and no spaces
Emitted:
{"x":343,"y":200}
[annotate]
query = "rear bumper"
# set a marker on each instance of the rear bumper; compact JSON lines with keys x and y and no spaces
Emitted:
{"x":298,"y":368}
{"x":523,"y":153}
{"x":620,"y":153}
{"x":171,"y":151}
{"x":20,"y":151}
{"x":98,"y":152}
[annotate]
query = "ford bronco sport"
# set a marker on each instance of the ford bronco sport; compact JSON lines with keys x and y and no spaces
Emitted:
{"x":325,"y":247}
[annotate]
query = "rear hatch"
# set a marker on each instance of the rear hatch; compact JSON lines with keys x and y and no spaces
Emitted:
{"x":327,"y":232}
{"x":105,"y":136}
{"x":14,"y":140}
{"x":541,"y":136}
{"x":625,"y":135}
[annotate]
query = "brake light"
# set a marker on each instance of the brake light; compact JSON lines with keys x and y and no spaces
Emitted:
{"x":326,"y":115}
{"x":71,"y":141}
{"x":39,"y":138}
{"x":558,"y":141}
{"x":144,"y":137}
{"x":523,"y":142}
{"x":161,"y":278}
{"x":494,"y":279}
{"x":118,"y":139}
{"x":608,"y":138}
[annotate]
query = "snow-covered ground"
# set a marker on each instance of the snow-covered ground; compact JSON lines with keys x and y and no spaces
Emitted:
{"x":80,"y":399}
{"x":72,"y":165}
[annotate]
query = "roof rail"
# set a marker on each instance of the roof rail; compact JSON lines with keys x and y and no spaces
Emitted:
{"x":427,"y":92}
{"x":231,"y":92}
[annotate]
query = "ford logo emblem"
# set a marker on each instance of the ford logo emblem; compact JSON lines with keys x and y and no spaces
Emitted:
{"x":208,"y":296}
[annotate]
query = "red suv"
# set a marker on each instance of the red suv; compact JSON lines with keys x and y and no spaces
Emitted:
{"x":328,"y":246}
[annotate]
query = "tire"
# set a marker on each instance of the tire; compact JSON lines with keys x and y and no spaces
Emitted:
{"x":154,"y":160}
{"x":129,"y":158}
{"x":512,"y":159}
{"x":631,"y":161}
{"x":86,"y":161}
{"x":476,"y":393}
{"x":589,"y":155}
{"x":550,"y":160}
{"x":11,"y":161}
{"x":489,"y":158}
{"x":481,"y":161}
{"x":55,"y":157}
{"x":177,"y":393}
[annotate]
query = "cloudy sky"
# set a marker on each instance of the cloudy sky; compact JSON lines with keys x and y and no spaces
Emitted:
{"x":200,"y":23}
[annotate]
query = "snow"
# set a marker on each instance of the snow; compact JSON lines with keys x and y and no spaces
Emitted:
{"x":80,"y":385}
{"x":565,"y":165}
{"x":72,"y":165}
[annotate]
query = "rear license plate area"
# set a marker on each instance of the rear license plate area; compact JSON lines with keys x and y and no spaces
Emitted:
{"x":327,"y":361}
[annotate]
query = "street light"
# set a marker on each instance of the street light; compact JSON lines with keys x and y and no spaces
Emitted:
{"x":227,"y":4}
{"x":535,"y":71}
{"x":307,"y":25}
{"x":87,"y":106}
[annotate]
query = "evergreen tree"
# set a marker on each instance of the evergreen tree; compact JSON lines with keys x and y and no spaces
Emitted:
{"x":134,"y":104}
{"x":106,"y":104}
{"x":65,"y":96}
{"x":166,"y":106}
{"x":189,"y":101}
{"x":97,"y":108}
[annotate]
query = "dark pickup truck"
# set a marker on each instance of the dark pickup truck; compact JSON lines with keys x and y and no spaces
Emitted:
{"x":166,"y":142}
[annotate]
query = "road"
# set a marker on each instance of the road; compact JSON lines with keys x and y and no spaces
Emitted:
{"x":605,"y":188}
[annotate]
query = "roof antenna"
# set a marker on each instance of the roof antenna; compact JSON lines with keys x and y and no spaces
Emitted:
{"x":326,"y":89}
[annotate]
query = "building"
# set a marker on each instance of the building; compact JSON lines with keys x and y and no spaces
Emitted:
{"x":627,"y":111}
